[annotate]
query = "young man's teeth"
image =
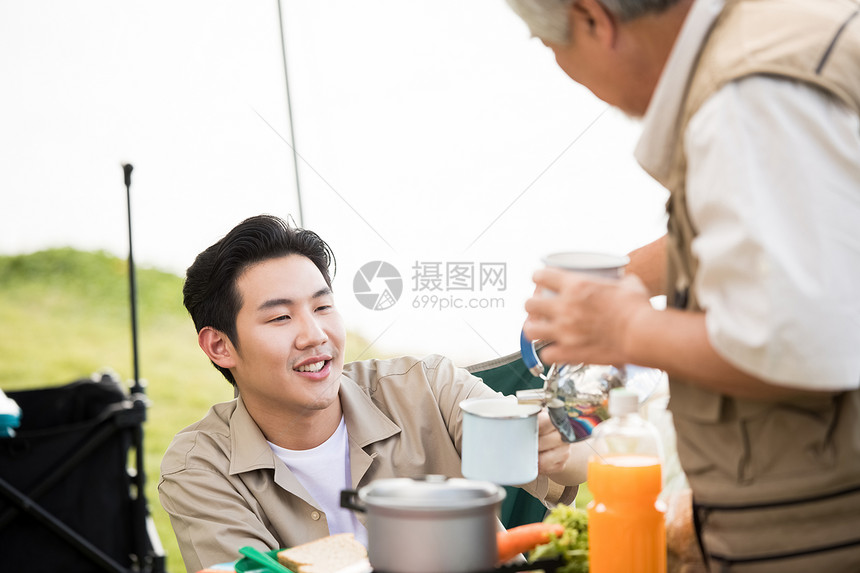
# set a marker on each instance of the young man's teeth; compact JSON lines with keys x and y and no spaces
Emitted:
{"x":313,"y":367}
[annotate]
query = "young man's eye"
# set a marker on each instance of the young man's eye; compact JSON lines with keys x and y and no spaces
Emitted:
{"x":324,"y":307}
{"x":282,"y":318}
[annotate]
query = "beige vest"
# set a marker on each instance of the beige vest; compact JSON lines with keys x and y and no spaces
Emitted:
{"x":742,"y":453}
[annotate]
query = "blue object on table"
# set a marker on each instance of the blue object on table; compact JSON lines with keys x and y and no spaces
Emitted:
{"x":530,"y":356}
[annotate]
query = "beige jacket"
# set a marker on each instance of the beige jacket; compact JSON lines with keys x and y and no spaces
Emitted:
{"x":224,"y":488}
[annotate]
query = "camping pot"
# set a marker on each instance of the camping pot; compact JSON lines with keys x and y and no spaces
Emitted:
{"x":430,"y":524}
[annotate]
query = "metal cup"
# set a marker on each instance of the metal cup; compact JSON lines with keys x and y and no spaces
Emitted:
{"x":603,"y":265}
{"x":500,"y":440}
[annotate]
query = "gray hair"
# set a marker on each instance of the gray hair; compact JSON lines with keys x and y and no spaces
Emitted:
{"x":548,"y":19}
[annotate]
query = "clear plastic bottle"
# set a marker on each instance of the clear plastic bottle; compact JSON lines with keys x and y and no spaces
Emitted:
{"x":626,"y":521}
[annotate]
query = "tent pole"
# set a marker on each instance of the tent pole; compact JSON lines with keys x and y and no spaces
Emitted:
{"x":290,"y":114}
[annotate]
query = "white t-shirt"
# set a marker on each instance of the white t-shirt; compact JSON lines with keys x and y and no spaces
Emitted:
{"x":773,"y":188}
{"x":324,"y":472}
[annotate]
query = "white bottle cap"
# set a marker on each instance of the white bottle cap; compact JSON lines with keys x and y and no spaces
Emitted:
{"x":622,"y":402}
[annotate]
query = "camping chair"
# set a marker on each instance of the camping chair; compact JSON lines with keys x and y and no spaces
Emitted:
{"x":507,"y":375}
{"x":68,"y":501}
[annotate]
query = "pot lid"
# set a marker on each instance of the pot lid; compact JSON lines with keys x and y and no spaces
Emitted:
{"x":431,"y":492}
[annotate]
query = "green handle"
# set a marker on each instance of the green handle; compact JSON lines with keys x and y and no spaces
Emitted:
{"x":263,"y":559}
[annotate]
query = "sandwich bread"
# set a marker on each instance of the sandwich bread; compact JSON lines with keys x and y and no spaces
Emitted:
{"x":324,"y":555}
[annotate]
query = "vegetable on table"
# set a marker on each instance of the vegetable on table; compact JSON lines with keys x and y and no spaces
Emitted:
{"x":523,"y":538}
{"x":571,"y":545}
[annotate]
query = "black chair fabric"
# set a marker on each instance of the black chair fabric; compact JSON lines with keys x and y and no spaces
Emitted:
{"x":68,"y":501}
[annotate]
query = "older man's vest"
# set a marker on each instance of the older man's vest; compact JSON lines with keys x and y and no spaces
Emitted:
{"x":756,"y":467}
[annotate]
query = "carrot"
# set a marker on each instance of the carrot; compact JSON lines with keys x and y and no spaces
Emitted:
{"x":524,"y":538}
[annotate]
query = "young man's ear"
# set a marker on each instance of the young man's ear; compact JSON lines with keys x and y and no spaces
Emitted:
{"x":217,"y":347}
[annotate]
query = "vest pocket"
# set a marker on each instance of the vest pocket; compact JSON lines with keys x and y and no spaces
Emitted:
{"x":788,"y":440}
{"x":753,"y":444}
{"x":706,"y":445}
{"x":707,"y":451}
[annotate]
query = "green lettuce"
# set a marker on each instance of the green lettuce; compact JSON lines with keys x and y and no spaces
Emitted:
{"x":572,"y":546}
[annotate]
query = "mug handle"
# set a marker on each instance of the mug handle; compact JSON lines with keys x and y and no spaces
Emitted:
{"x":349,"y":500}
{"x":530,"y":356}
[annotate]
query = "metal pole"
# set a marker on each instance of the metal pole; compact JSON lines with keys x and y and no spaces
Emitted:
{"x":290,"y":113}
{"x":132,"y":283}
{"x":145,"y":543}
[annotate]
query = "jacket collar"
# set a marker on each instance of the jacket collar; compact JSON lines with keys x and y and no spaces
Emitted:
{"x":365,"y":424}
{"x":248,"y":446}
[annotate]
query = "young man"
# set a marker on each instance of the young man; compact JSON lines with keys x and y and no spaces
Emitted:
{"x":751,"y":122}
{"x":267,"y":468}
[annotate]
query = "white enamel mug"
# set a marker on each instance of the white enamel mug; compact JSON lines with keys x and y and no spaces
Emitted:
{"x":596,"y":264}
{"x":500,"y":440}
{"x":602,"y":265}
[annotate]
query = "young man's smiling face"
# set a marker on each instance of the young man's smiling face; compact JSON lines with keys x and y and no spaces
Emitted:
{"x":290,"y":338}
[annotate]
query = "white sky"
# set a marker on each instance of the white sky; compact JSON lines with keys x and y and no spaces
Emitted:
{"x":430,"y":132}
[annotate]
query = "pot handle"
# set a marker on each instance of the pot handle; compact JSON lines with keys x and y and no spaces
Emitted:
{"x":349,"y":500}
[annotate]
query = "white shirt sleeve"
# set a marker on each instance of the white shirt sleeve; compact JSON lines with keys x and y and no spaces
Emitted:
{"x":773,"y":189}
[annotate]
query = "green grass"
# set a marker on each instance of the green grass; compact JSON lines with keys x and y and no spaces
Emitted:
{"x":65,"y":314}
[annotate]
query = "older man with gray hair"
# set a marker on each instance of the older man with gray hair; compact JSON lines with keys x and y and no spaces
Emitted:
{"x":751,"y":119}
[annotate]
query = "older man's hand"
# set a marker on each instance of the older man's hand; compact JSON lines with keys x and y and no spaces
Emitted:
{"x":587,"y":319}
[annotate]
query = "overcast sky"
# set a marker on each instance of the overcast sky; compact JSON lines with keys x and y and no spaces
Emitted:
{"x":435,"y":136}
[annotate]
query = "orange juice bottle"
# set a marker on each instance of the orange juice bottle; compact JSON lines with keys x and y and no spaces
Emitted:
{"x":626,"y":523}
